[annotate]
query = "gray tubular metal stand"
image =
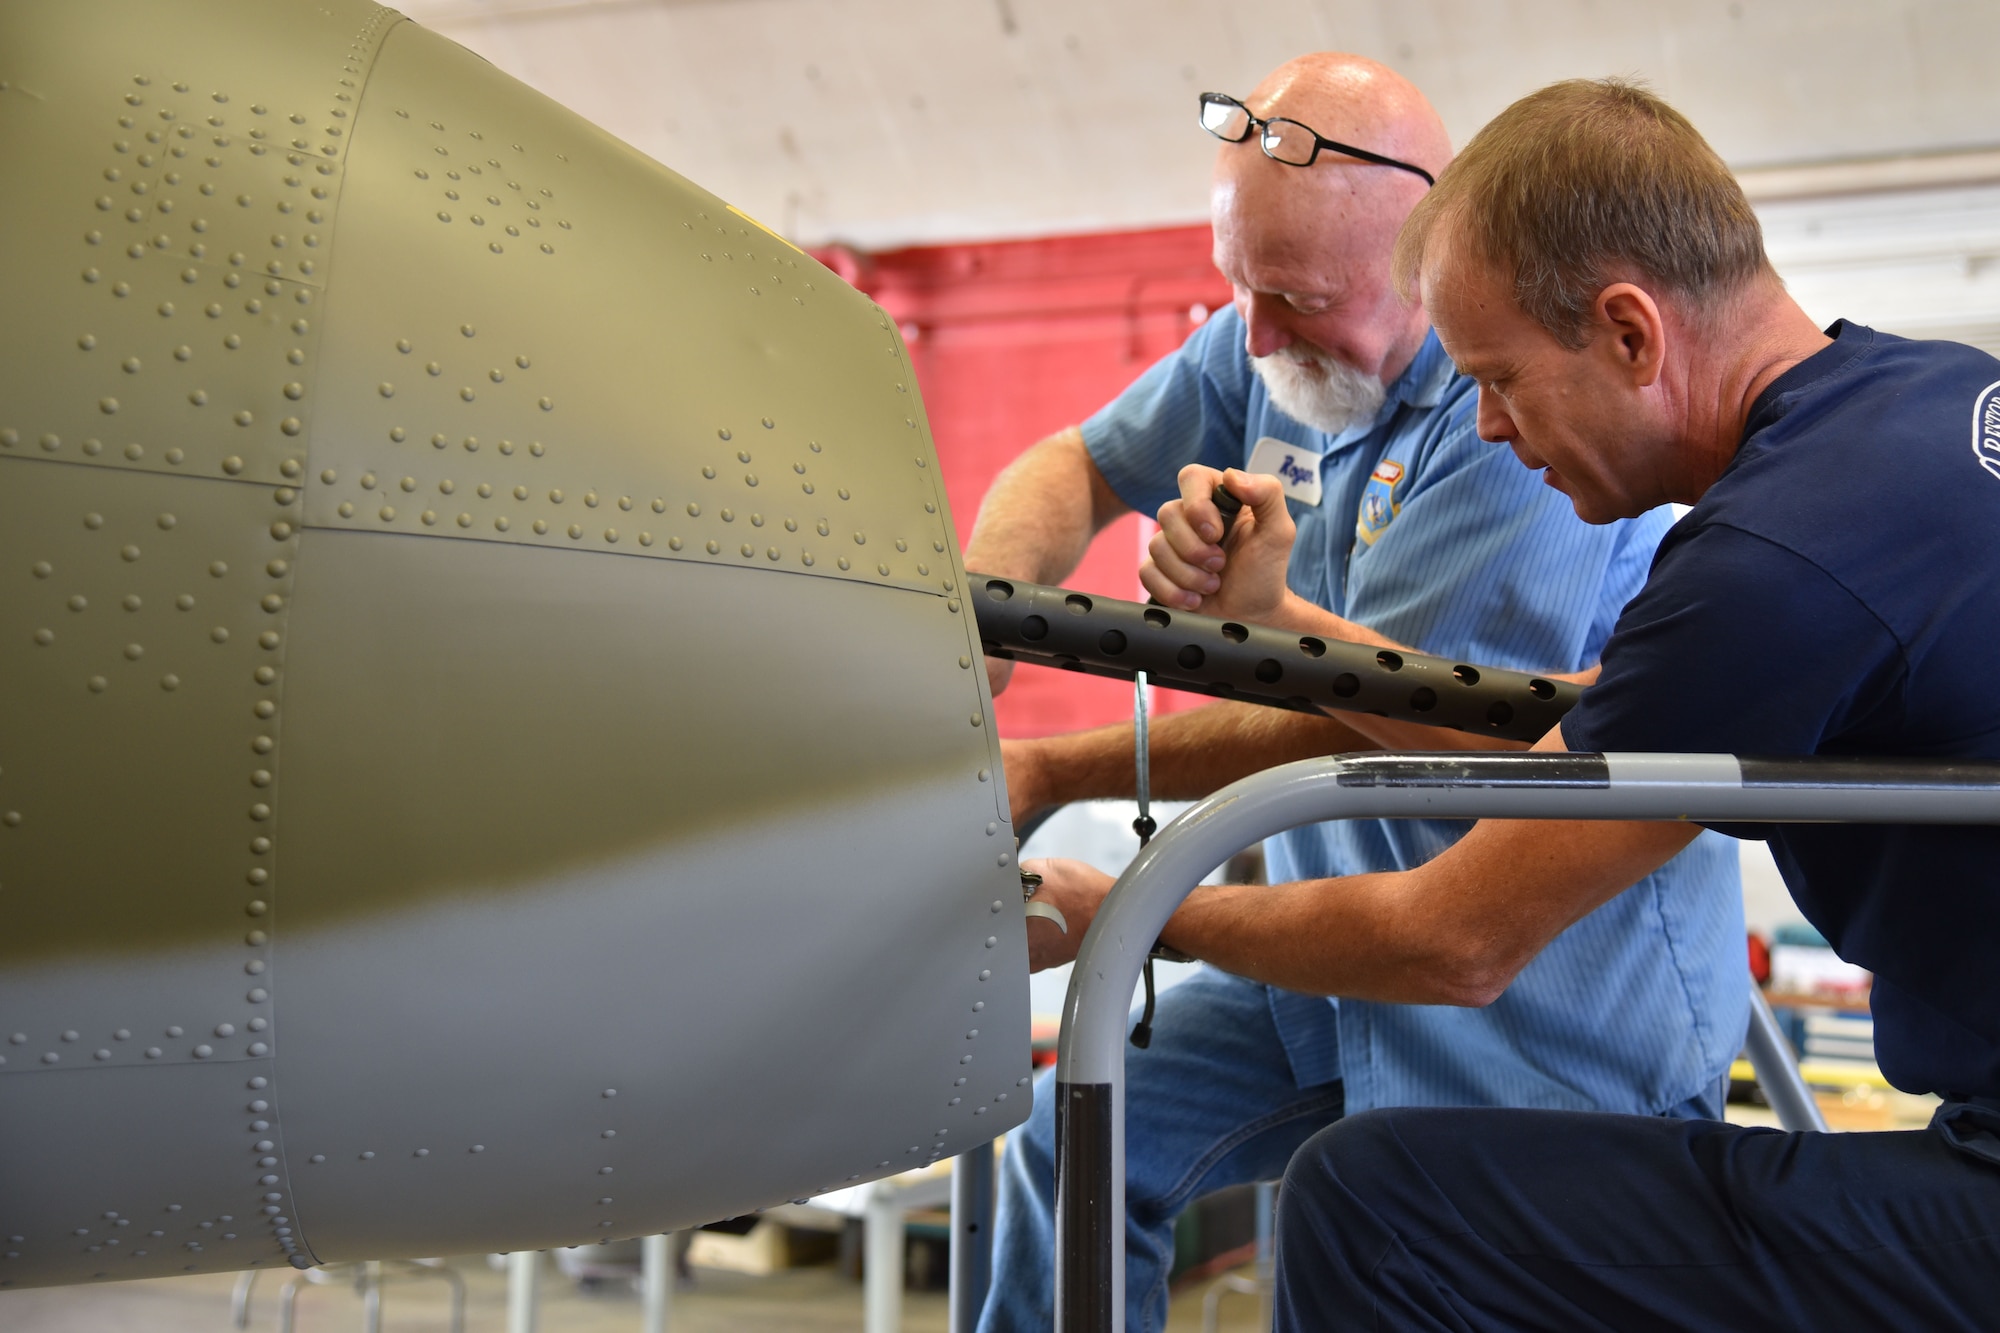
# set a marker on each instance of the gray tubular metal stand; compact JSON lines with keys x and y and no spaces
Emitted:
{"x":972,"y":1204}
{"x":1102,"y":636}
{"x":1090,"y":1112}
{"x":1777,"y":1066}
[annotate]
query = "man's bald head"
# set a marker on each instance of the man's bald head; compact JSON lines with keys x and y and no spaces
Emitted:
{"x":1358,"y":101}
{"x":1308,"y":248}
{"x":1347,"y":98}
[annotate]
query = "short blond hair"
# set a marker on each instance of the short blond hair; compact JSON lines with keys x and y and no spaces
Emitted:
{"x":1586,"y":183}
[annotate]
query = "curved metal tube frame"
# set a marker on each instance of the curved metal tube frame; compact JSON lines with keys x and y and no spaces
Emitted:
{"x":368,"y":1278}
{"x":1090,"y":1115}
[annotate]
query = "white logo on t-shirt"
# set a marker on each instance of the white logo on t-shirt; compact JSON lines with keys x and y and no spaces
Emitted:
{"x":1985,"y":428}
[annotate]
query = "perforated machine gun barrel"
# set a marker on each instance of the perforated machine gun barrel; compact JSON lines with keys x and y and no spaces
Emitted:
{"x":1103,"y":636}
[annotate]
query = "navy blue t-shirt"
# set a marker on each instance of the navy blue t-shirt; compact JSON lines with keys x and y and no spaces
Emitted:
{"x":1837,"y":591}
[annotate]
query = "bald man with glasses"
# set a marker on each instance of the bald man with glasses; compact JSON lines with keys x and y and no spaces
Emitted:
{"x":1322,"y":397}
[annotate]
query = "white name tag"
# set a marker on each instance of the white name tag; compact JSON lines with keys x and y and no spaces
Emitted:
{"x":1294,"y":465}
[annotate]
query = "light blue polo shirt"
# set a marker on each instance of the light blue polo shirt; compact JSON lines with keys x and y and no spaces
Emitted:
{"x":1440,"y":540}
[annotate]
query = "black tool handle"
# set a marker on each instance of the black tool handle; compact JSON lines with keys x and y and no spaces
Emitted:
{"x":1229,"y":506}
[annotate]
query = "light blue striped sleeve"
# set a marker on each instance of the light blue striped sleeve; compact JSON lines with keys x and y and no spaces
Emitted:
{"x":1187,"y":408}
{"x":1484,"y":561}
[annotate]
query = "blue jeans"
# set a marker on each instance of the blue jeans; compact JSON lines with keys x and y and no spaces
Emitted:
{"x":1213,"y":1103}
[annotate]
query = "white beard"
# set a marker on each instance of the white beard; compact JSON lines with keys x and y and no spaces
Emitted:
{"x":1313,"y":388}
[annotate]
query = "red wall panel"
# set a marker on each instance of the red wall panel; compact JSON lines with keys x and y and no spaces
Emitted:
{"x":1012,"y":341}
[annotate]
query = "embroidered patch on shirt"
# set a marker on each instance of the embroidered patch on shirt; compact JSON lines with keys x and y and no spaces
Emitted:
{"x":1379,"y":505}
{"x":1294,"y":465}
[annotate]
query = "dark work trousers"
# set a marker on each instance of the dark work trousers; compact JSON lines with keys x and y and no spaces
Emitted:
{"x":1465,"y":1220}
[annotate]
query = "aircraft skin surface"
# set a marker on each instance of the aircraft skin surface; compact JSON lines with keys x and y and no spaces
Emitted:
{"x":492,"y":753}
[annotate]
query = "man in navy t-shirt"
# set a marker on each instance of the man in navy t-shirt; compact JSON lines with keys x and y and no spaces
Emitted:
{"x":1836,"y":592}
{"x":1591,"y":263}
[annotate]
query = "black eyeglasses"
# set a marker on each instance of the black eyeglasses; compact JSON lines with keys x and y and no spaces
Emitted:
{"x":1285,"y":140}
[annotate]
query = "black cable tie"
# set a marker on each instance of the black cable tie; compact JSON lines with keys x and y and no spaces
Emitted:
{"x":1142,"y":1034}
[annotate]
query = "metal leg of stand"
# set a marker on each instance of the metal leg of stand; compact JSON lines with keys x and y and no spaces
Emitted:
{"x":524,"y":1290}
{"x":239,"y":1299}
{"x":1262,"y":1271}
{"x":656,"y":1283}
{"x":288,"y":1305}
{"x":1211,"y":1302}
{"x":371,"y":1296}
{"x":1777,"y":1067}
{"x":457,"y":1285}
{"x":972,"y":1201}
{"x":1267,"y":1255}
{"x":882,"y":1264}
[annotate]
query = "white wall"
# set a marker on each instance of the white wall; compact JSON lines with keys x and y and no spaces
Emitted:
{"x":1923,"y":262}
{"x":886,"y":122}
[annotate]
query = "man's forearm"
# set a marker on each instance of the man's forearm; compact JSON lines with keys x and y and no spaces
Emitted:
{"x":1455,"y":930}
{"x":1041,"y":512}
{"x":1192,"y":753}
